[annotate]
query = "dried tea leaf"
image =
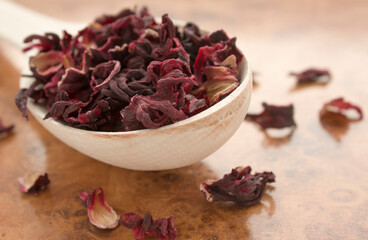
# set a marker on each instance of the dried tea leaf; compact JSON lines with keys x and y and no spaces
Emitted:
{"x":239,"y":186}
{"x":100,"y":213}
{"x":147,"y":227}
{"x":33,"y":182}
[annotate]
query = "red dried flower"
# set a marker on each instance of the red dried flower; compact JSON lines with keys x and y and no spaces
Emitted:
{"x":100,"y":213}
{"x":343,"y":108}
{"x":274,"y":117}
{"x":33,"y":183}
{"x":239,"y":186}
{"x":312,"y":75}
{"x":336,"y":115}
{"x":147,"y":227}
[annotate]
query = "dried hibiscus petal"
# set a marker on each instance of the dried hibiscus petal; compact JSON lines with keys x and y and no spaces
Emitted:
{"x":312,"y":75}
{"x":336,"y":115}
{"x":100,"y":213}
{"x":145,"y":112}
{"x":5,"y":130}
{"x":33,"y":182}
{"x":46,"y":64}
{"x":147,"y":227}
{"x":239,"y":186}
{"x":343,"y":108}
{"x":221,"y":81}
{"x":275,"y":117}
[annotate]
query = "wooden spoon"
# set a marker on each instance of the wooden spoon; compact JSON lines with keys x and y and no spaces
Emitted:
{"x":172,"y":146}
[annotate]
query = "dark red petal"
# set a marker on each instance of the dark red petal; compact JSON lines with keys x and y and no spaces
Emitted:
{"x":312,"y":75}
{"x":33,"y":183}
{"x":149,"y":113}
{"x":49,"y":41}
{"x":342,"y":107}
{"x":47,"y":63}
{"x":274,"y":116}
{"x":239,"y":186}
{"x":194,"y":105}
{"x":104,"y":72}
{"x":147,"y":227}
{"x":73,"y":81}
{"x":21,"y":98}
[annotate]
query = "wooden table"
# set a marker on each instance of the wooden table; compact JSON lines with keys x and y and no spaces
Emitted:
{"x":321,"y":189}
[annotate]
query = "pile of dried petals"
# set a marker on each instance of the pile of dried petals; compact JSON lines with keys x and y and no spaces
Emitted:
{"x":127,"y":72}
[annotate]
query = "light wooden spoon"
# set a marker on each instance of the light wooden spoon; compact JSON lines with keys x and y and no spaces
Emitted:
{"x":172,"y":146}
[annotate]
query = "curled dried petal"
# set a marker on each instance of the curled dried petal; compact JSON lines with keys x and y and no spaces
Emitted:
{"x":143,"y":111}
{"x":147,"y":227}
{"x":45,"y":64}
{"x":104,"y":72}
{"x":100,"y":213}
{"x":343,"y":108}
{"x":194,"y":105}
{"x":49,"y":41}
{"x":274,"y":116}
{"x":33,"y":182}
{"x":312,"y":75}
{"x":221,"y":81}
{"x":239,"y":186}
{"x":73,"y":81}
{"x":21,"y":98}
{"x":336,"y":115}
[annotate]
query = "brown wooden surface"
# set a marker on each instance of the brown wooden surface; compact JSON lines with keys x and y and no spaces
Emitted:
{"x":321,"y":189}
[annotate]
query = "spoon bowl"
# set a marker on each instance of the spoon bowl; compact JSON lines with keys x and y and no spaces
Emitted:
{"x":172,"y":146}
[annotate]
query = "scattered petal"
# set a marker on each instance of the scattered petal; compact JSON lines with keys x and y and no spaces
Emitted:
{"x":100,"y":213}
{"x":274,"y":118}
{"x":33,"y":183}
{"x":239,"y":186}
{"x":147,"y":227}
{"x":344,"y":108}
{"x":336,"y":115}
{"x":312,"y":75}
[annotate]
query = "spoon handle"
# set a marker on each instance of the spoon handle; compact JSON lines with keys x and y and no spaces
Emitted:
{"x":18,"y":22}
